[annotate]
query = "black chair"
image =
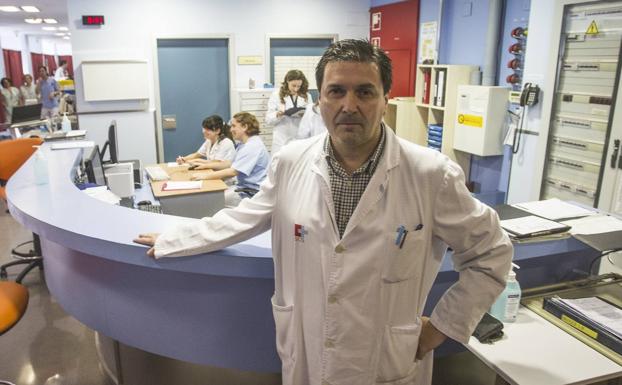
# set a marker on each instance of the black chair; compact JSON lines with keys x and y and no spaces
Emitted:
{"x":32,"y":258}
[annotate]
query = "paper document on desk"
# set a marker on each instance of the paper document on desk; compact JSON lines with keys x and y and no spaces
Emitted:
{"x":74,"y":133}
{"x":595,"y":224}
{"x":532,"y":226}
{"x":73,"y":144}
{"x":182,"y":185}
{"x":597,"y":310}
{"x":554,"y":209}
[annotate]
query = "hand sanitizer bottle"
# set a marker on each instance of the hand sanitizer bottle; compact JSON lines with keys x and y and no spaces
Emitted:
{"x":41,"y":167}
{"x":66,"y":124}
{"x":505,"y":308}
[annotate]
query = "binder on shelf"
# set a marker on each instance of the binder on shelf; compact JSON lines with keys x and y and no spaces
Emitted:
{"x":435,"y":97}
{"x":579,"y":321}
{"x":440,"y":96}
{"x":427,"y":78}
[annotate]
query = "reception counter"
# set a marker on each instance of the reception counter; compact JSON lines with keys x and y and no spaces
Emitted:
{"x":211,"y":309}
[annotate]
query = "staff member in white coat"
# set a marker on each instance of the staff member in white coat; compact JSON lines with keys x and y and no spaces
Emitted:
{"x":361,"y":220}
{"x":218,"y":145}
{"x":312,"y":123}
{"x":292,"y":95}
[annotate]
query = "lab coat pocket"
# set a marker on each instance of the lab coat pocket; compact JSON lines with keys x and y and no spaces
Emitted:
{"x":398,"y":351}
{"x":285,"y":332}
{"x":402,"y":262}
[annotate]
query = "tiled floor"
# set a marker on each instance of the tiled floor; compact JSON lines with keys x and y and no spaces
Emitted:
{"x":49,"y":347}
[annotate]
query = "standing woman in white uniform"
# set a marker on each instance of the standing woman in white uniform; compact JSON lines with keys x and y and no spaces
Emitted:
{"x":218,"y":145}
{"x":292,"y":94}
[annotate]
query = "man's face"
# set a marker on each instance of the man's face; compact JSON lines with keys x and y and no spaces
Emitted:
{"x":293,"y":86}
{"x":352,"y":102}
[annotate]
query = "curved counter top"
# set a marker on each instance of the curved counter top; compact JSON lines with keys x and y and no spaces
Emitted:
{"x":212,"y":309}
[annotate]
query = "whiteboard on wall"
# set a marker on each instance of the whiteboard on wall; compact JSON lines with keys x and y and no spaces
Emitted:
{"x":115,"y":80}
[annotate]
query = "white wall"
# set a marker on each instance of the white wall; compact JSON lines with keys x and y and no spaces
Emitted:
{"x":132,"y":27}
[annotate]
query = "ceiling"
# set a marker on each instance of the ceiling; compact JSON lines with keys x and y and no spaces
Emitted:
{"x":56,"y":9}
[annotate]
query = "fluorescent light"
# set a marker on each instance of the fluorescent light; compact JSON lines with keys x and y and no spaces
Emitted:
{"x":29,"y":8}
{"x":50,"y":21}
{"x":59,"y":34}
{"x":66,"y":37}
{"x":63,"y":29}
{"x":48,"y":28}
{"x":33,"y":21}
{"x":9,"y":8}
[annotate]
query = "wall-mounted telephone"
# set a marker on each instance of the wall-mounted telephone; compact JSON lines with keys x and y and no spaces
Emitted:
{"x":529,"y":95}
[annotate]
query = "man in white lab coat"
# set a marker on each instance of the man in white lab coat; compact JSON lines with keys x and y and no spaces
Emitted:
{"x":360,"y":222}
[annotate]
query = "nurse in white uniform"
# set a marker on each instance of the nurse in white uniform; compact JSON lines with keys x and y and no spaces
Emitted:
{"x":218,"y":145}
{"x":282,"y":111}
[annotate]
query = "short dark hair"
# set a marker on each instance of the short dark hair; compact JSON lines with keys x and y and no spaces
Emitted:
{"x":44,"y":67}
{"x":358,"y":51}
{"x":215,"y":122}
{"x":250,"y":121}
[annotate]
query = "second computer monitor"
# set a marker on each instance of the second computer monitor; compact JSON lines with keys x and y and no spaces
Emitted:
{"x":94,"y":168}
{"x":112,"y":143}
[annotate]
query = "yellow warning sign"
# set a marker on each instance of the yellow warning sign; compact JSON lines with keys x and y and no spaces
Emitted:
{"x":471,"y":120}
{"x":592,"y":29}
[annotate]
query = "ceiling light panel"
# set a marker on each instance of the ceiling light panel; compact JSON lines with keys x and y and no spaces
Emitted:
{"x":50,"y":21}
{"x":63,"y":29}
{"x":9,"y":8}
{"x":29,"y":8}
{"x":48,"y":28}
{"x":33,"y":21}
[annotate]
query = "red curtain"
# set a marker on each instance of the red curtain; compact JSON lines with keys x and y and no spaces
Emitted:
{"x":37,"y":61}
{"x":13,"y":66}
{"x":69,"y":61}
{"x":50,"y":62}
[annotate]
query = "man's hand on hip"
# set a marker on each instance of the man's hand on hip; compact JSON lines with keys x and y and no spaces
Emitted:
{"x":429,"y":339}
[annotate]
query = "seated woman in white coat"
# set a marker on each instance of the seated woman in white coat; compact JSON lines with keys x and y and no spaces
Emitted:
{"x":285,"y":108}
{"x":218,"y":145}
{"x":249,"y":165}
{"x":312,"y":123}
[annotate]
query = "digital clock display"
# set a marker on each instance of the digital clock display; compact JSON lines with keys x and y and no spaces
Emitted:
{"x":93,"y":20}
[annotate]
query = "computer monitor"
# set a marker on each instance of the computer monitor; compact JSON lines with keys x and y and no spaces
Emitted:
{"x":112,"y":144}
{"x":94,"y":168}
{"x":26,"y":113}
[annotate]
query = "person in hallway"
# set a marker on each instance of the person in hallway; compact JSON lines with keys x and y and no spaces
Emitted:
{"x":249,"y":164}
{"x":10,"y":98}
{"x":361,"y":220}
{"x":311,"y":123}
{"x":61,"y":72}
{"x":28,"y":91}
{"x":48,"y":89}
{"x":292,"y":95}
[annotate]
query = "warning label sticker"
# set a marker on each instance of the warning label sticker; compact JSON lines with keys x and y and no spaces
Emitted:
{"x":471,"y":120}
{"x":592,"y":29}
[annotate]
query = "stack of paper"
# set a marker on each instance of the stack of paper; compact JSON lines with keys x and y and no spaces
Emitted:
{"x":532,"y":226}
{"x":554,"y":209}
{"x":182,"y":185}
{"x":103,"y":194}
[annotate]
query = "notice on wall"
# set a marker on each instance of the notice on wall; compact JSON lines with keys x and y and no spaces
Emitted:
{"x":306,"y":64}
{"x":428,"y":42}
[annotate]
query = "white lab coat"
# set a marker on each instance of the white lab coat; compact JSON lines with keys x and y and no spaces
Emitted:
{"x":347,"y":311}
{"x":311,"y":123}
{"x":285,"y":128}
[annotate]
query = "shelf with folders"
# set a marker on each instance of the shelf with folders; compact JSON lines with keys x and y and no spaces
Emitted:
{"x":436,"y":92}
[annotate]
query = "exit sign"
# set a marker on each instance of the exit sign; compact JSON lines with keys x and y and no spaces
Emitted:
{"x":93,"y":20}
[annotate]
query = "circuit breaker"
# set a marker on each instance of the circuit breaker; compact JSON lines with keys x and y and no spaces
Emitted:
{"x":480,"y":119}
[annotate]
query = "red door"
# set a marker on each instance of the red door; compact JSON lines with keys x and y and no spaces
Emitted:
{"x":400,"y":59}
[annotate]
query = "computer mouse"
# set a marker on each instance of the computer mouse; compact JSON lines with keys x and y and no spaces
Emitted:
{"x":142,"y":203}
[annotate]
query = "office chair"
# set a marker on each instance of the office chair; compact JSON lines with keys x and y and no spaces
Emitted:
{"x":13,"y":303}
{"x":13,"y":154}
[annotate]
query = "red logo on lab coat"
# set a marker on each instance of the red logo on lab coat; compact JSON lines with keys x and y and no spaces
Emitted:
{"x":299,"y":233}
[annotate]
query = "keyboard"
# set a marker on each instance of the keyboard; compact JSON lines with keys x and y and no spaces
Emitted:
{"x":157,"y":209}
{"x":156,"y":173}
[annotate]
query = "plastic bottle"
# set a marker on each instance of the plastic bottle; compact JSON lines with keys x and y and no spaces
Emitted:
{"x":66,"y":124}
{"x":506,"y":306}
{"x":41,"y":167}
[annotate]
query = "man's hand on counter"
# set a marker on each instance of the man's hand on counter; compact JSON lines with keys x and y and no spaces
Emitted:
{"x":148,"y":239}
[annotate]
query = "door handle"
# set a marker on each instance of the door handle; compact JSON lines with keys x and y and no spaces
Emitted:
{"x":614,"y":156}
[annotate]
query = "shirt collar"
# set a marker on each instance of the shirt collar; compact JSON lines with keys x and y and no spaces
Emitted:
{"x":369,"y":166}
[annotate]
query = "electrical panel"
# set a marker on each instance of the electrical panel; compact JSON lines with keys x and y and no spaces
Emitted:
{"x":481,"y":119}
{"x":584,"y":100}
